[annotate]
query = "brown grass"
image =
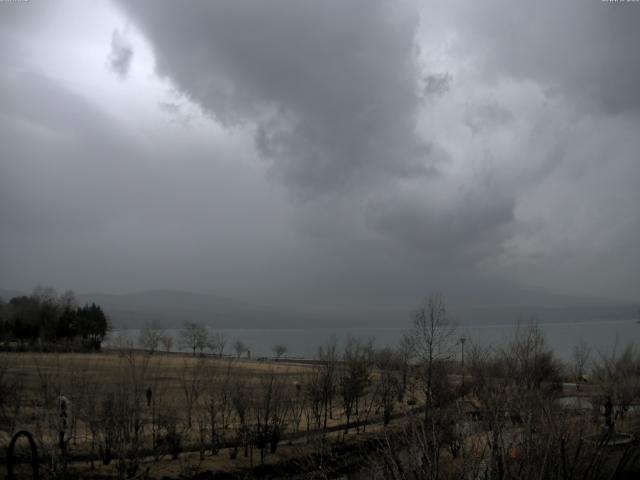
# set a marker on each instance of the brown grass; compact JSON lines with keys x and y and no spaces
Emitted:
{"x":44,"y":377}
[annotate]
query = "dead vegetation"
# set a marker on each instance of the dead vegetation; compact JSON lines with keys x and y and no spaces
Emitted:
{"x":415,"y":411}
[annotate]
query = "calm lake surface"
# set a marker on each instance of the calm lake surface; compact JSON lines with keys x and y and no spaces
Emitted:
{"x":602,"y":336}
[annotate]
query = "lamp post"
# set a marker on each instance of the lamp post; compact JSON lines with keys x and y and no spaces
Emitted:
{"x":462,"y":340}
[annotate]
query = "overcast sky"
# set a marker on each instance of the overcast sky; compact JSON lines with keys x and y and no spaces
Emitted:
{"x":321,"y":152}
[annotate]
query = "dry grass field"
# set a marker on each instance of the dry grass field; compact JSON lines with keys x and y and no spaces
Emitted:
{"x":129,"y":414}
{"x":176,"y":412}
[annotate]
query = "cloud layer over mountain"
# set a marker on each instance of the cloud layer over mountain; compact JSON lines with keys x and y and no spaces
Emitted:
{"x":326,"y":153}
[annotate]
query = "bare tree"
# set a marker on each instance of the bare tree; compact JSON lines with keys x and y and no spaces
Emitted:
{"x":516,"y":387}
{"x":581,"y":354}
{"x":405,"y":354}
{"x":387,"y":384}
{"x":270,"y":413}
{"x":150,"y":336}
{"x":217,"y":343}
{"x":191,"y":382}
{"x":194,"y":336}
{"x":279,"y":350}
{"x":120,"y":414}
{"x":213,"y":410}
{"x":355,"y":378}
{"x":314,"y":384}
{"x":68,"y":300}
{"x":297,"y":405}
{"x":225,"y":391}
{"x":618,"y":375}
{"x":167,"y":342}
{"x":432,"y":338}
{"x":533,"y":364}
{"x":512,"y":437}
{"x":328,"y":360}
{"x":172,"y":430}
{"x":11,"y":386}
{"x":213,"y":404}
{"x":239,"y":347}
{"x":240,"y":402}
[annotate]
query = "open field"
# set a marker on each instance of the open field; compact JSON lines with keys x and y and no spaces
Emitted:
{"x":129,"y":414}
{"x":164,"y":405}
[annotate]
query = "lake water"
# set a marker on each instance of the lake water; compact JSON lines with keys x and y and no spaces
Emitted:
{"x":602,"y":336}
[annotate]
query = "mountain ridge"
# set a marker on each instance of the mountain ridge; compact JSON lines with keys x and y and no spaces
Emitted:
{"x":171,"y":308}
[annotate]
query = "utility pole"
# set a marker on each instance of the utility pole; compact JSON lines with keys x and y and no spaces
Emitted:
{"x":462,"y":340}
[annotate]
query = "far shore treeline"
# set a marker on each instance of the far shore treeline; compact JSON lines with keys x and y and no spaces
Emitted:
{"x":46,"y":321}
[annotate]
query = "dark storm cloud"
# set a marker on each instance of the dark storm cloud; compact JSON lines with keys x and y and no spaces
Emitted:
{"x":425,"y":140}
{"x":333,"y":92}
{"x":121,"y":54}
{"x":585,"y":49}
{"x":330,"y":86}
{"x":468,"y":228}
{"x":488,"y":115}
{"x":437,"y":84}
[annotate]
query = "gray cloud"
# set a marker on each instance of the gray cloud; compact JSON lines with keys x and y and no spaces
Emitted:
{"x":469,"y":228}
{"x":67,"y":128}
{"x":582,"y":49}
{"x":437,"y":84}
{"x":121,"y":54}
{"x":488,"y":115}
{"x":332,"y":92}
{"x":169,"y":108}
{"x":175,"y":113}
{"x":330,"y":87}
{"x":89,"y":207}
{"x":343,"y":165}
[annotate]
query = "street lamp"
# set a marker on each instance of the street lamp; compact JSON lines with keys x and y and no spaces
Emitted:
{"x":462,"y":340}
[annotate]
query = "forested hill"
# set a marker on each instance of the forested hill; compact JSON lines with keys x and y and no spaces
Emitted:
{"x":173,"y":308}
{"x":45,"y":320}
